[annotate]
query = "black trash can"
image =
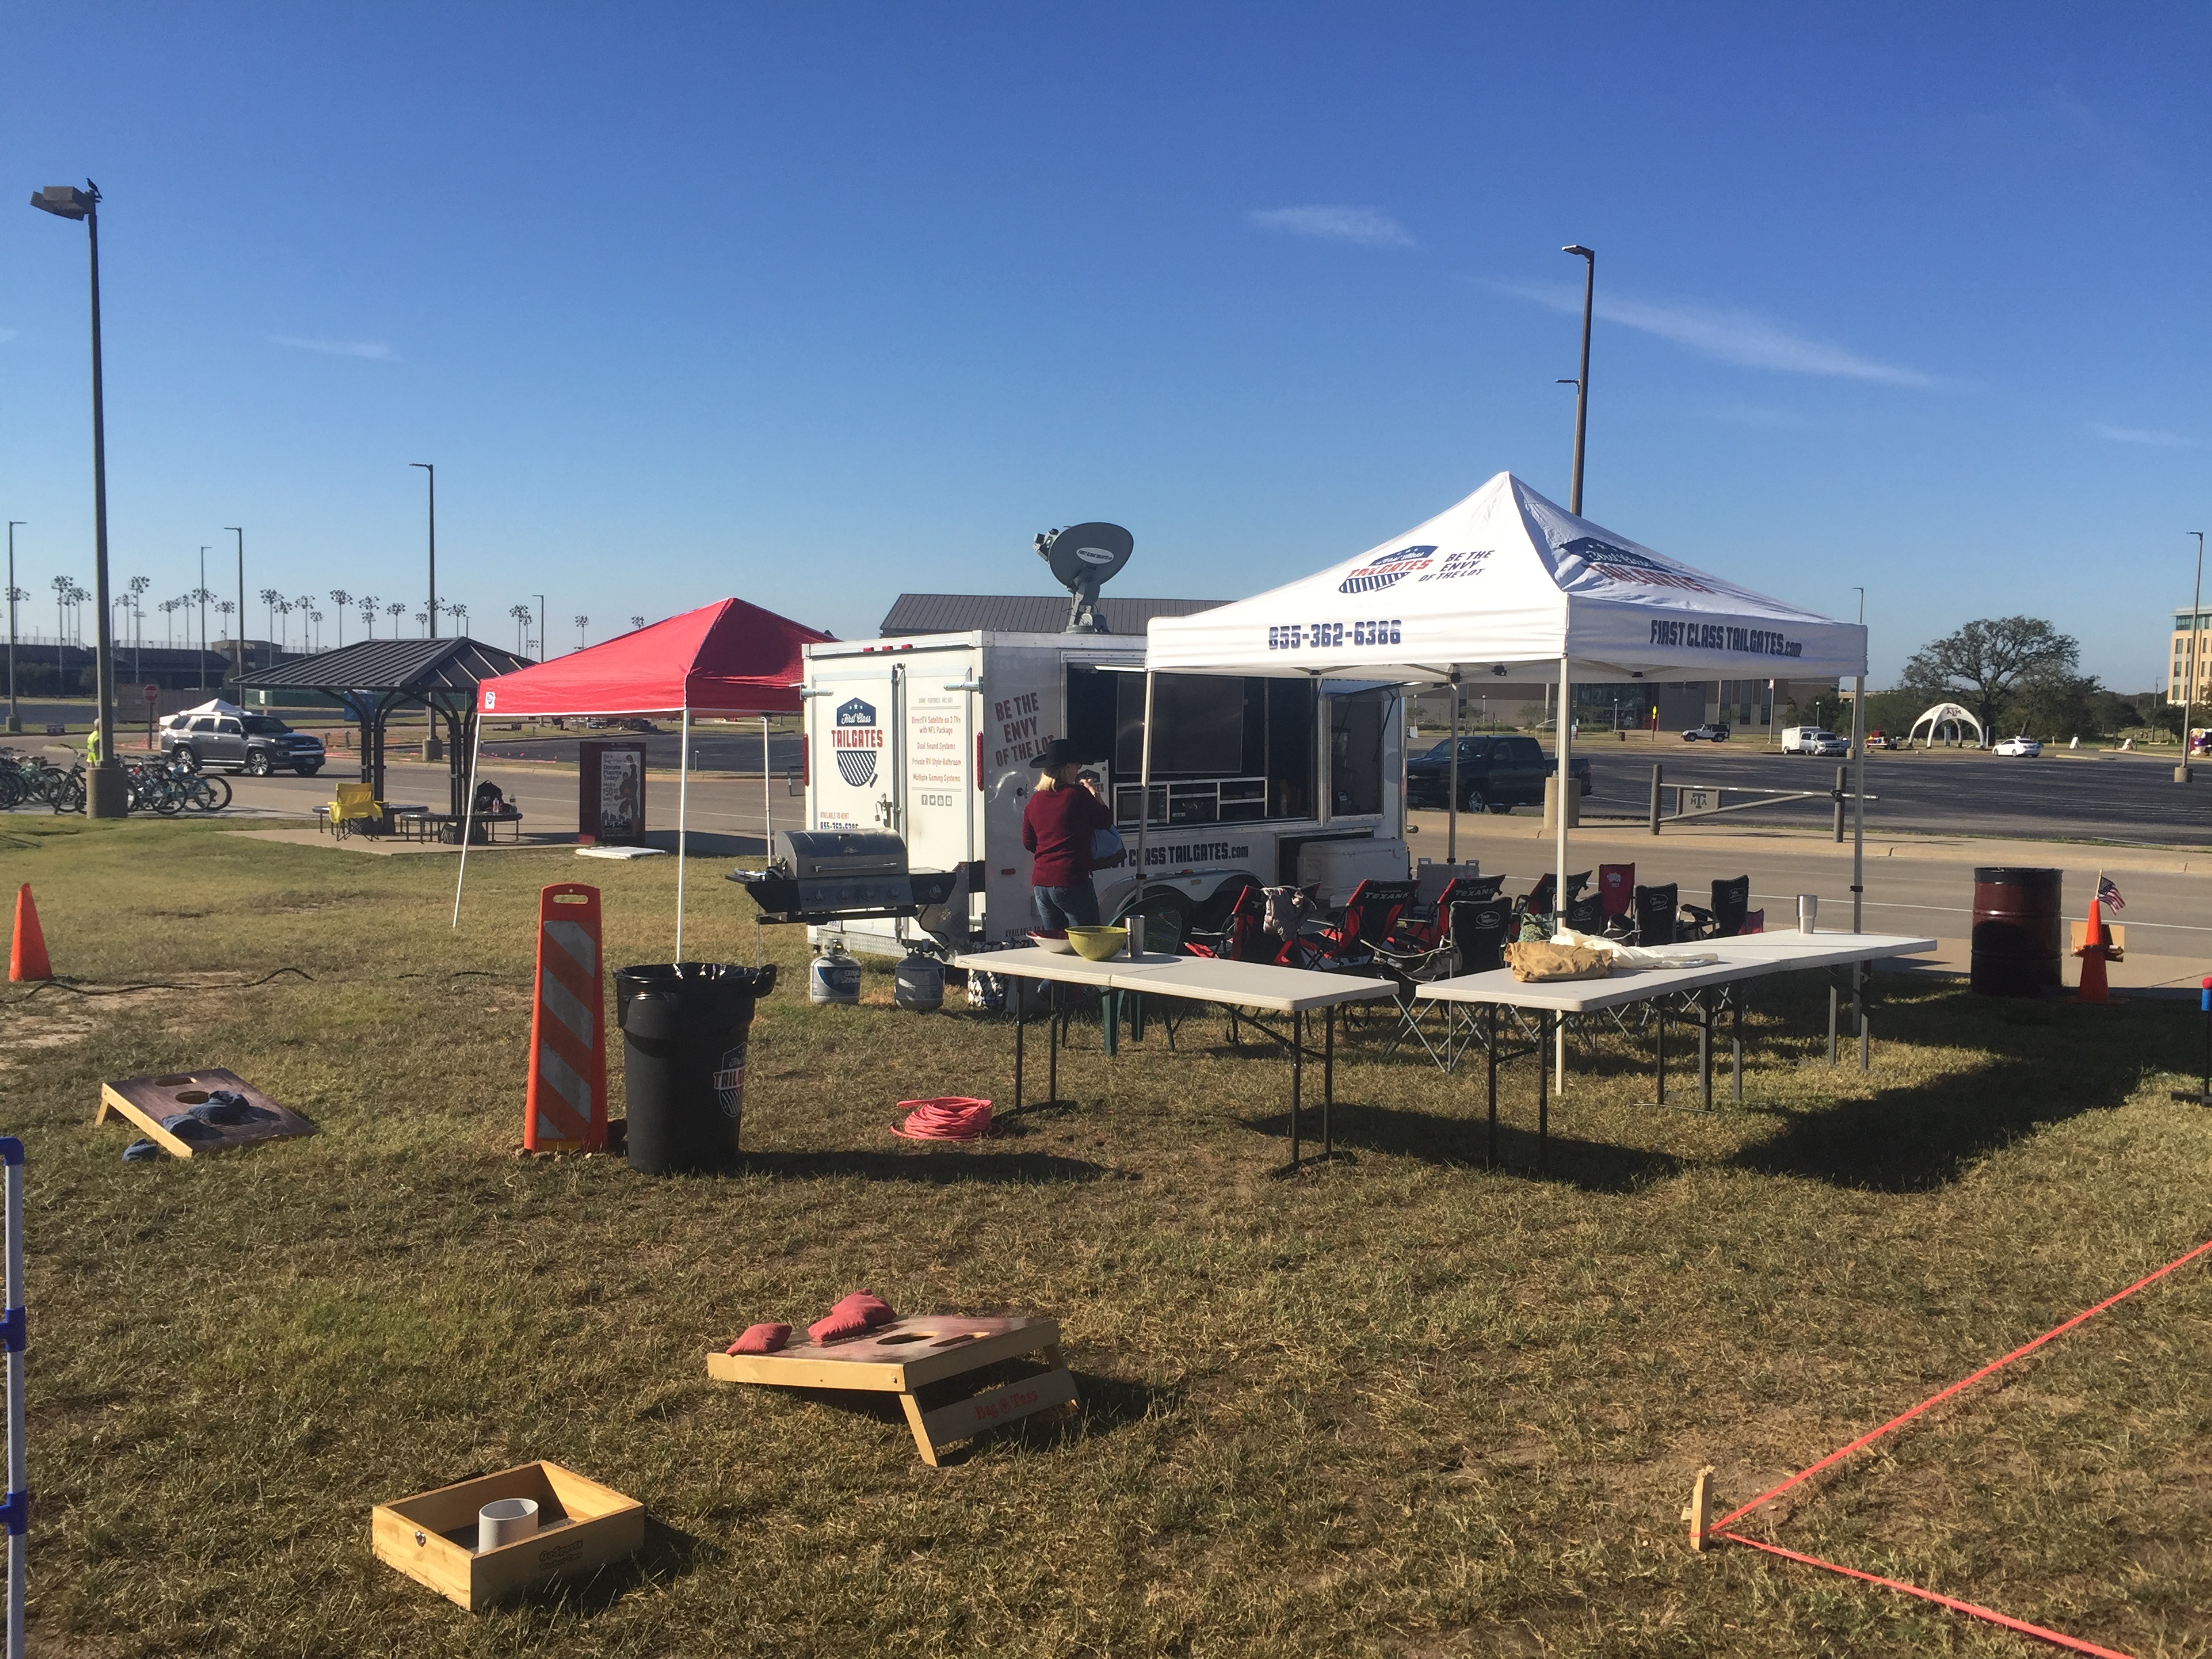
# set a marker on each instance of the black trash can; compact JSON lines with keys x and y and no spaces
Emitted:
{"x":684,"y":1028}
{"x":2019,"y":929}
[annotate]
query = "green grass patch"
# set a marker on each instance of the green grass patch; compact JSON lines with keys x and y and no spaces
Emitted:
{"x":1403,"y":1406}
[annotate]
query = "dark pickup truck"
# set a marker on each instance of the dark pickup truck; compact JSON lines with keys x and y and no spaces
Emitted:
{"x":1498,"y":773}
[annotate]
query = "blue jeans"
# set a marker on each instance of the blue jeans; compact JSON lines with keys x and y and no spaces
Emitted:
{"x":1059,"y":908}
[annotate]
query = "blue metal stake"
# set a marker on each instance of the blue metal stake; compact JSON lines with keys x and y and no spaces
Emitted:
{"x":16,"y":1511}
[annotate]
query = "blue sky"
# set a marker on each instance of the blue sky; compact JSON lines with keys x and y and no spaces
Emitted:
{"x":813,"y":305}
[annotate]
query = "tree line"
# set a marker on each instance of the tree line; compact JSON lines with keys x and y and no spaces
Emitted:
{"x":2016,"y":674}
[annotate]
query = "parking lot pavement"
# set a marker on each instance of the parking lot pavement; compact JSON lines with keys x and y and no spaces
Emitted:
{"x":546,"y":796}
{"x":1925,"y":885}
{"x":2106,"y":797}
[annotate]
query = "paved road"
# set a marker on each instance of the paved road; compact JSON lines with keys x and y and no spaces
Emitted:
{"x":2117,"y":797}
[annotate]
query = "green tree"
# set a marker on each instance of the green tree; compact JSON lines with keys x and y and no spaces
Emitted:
{"x":1985,"y":663}
{"x":2056,"y":705}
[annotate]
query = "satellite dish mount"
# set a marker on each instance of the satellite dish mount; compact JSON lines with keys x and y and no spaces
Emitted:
{"x":1084,"y":557}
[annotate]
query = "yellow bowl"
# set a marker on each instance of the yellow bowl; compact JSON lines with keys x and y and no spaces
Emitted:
{"x":1098,"y":943}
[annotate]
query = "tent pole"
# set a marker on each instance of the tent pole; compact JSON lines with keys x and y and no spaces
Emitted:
{"x":1858,"y":803}
{"x":683,"y":805}
{"x":1145,"y":784}
{"x":768,"y":801}
{"x":468,"y":817}
{"x":1562,"y":726}
{"x":1451,"y":788}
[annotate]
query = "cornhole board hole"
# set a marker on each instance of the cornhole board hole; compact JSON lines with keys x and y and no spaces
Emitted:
{"x":908,"y":1355}
{"x":432,"y":1536}
{"x":145,"y":1101}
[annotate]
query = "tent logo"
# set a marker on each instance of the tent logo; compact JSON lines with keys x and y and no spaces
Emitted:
{"x":730,"y":1082}
{"x":856,"y":737}
{"x":1387,"y":571}
{"x":1617,"y":563}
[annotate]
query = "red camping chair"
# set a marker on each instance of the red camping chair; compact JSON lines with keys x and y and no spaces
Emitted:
{"x":1243,"y":936}
{"x":1616,"y":891}
{"x":1369,"y":915}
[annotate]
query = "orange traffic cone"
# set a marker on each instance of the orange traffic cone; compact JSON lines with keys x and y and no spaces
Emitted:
{"x":2094,"y":953}
{"x":26,"y":955}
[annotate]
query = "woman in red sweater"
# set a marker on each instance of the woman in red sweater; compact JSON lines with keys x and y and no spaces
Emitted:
{"x":1057,"y":826}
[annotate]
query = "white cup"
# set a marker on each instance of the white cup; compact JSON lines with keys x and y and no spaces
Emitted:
{"x":1808,"y":911}
{"x":505,"y":1521}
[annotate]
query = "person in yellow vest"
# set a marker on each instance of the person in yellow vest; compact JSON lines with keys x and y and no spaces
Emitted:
{"x":92,"y":748}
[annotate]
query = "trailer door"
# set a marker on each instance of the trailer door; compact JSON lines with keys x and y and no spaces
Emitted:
{"x":939,"y":737}
{"x":853,"y":748}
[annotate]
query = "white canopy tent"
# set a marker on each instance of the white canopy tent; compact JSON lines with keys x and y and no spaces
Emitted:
{"x":1507,"y":581}
{"x":1951,"y":718}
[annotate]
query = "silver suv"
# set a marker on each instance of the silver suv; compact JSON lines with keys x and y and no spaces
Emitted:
{"x":256,"y":744}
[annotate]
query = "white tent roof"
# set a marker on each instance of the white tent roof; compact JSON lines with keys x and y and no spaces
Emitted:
{"x":1507,"y":580}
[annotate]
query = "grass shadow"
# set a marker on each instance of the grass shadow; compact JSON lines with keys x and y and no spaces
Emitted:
{"x":1453,"y":1141}
{"x":944,"y":1168}
{"x":667,"y":1554}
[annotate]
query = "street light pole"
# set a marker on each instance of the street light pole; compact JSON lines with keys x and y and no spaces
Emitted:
{"x":1581,"y":385}
{"x":542,"y":651}
{"x":433,"y":612}
{"x":2190,"y":662}
{"x":14,"y":717}
{"x":104,"y":796}
{"x":240,"y":643}
{"x":203,"y":598}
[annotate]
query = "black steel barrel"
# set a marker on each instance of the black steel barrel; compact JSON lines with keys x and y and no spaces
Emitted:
{"x":2019,"y":928}
{"x":684,"y":1026}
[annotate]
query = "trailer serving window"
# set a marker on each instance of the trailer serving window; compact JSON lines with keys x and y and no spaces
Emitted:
{"x":1225,"y":750}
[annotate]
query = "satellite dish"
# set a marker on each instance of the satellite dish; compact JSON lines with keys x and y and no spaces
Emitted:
{"x":1084,"y":557}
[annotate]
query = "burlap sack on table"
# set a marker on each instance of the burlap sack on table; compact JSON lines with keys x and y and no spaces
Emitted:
{"x":1538,"y":962}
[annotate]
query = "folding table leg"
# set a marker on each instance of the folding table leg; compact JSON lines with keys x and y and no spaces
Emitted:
{"x":1328,"y":1080}
{"x":1704,"y":1054}
{"x":1545,"y":1025}
{"x":1052,"y":1046}
{"x":1831,"y":1022}
{"x":1298,"y":1078}
{"x":1660,"y":1008}
{"x":1493,"y":1086}
{"x":1019,"y":1024}
{"x":1735,"y":1041}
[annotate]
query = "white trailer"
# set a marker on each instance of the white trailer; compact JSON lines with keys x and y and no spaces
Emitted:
{"x":1255,"y":781}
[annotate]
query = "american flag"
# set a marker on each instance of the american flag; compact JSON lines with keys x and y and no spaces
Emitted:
{"x":2109,"y":893}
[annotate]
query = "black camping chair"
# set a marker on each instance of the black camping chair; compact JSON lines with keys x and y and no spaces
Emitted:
{"x":1586,"y":915}
{"x":1655,"y":910}
{"x":1480,"y":930}
{"x":1166,"y":915}
{"x":1731,"y":907}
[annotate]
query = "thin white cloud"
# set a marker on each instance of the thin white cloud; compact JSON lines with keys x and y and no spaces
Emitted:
{"x":2135,"y":434}
{"x":8,"y":334}
{"x":1335,"y":224}
{"x":333,"y":348}
{"x":1733,"y":336}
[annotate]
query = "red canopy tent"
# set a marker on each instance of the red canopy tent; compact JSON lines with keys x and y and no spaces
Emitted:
{"x":727,"y":658}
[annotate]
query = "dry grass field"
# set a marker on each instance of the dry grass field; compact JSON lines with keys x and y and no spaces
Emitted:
{"x":1404,"y":1405}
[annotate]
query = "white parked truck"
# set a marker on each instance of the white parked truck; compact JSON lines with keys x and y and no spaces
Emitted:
{"x":1812,"y":740}
{"x":1254,"y":781}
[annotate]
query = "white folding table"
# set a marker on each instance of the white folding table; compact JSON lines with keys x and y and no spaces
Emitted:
{"x":1749,"y":957}
{"x":1263,"y":986}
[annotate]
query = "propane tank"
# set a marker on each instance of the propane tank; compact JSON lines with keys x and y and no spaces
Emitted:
{"x":835,"y":977}
{"x":918,"y":983}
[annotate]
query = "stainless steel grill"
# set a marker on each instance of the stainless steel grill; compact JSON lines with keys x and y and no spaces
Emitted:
{"x":822,"y":876}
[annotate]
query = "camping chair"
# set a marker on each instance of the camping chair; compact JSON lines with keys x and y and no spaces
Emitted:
{"x":1421,"y":950}
{"x":1616,"y":888}
{"x":356,"y":807}
{"x":1165,"y":914}
{"x":1731,"y":907}
{"x":1243,"y":936}
{"x":1587,"y":914}
{"x":1538,"y":901}
{"x":1369,"y":915}
{"x":1656,"y":913}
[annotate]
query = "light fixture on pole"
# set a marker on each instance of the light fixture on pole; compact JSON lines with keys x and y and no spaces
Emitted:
{"x":104,"y":794}
{"x":2189,"y":663}
{"x":15,"y":718}
{"x":1581,"y":380}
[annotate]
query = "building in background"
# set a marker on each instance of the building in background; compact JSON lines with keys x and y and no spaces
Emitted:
{"x":2186,"y":679}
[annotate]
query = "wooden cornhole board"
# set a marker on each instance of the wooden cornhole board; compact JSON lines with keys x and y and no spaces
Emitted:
{"x":908,"y":1354}
{"x":431,"y":1537}
{"x":145,"y":1101}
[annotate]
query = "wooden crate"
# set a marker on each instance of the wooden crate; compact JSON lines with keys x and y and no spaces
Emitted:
{"x":910,"y":1354}
{"x":432,"y":1536}
{"x":145,"y":1101}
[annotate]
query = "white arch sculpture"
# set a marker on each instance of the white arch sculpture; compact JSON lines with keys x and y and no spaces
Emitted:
{"x":1948,"y":717}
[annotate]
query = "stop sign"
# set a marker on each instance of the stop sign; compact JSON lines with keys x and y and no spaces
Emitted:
{"x":153,"y":693}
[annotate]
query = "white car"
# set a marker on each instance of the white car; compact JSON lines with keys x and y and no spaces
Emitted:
{"x":2024,"y":746}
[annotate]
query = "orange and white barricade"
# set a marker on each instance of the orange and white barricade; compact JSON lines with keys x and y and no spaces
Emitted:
{"x":566,"y":1108}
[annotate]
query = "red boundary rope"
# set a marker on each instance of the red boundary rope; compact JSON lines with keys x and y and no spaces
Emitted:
{"x":1897,"y":1422}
